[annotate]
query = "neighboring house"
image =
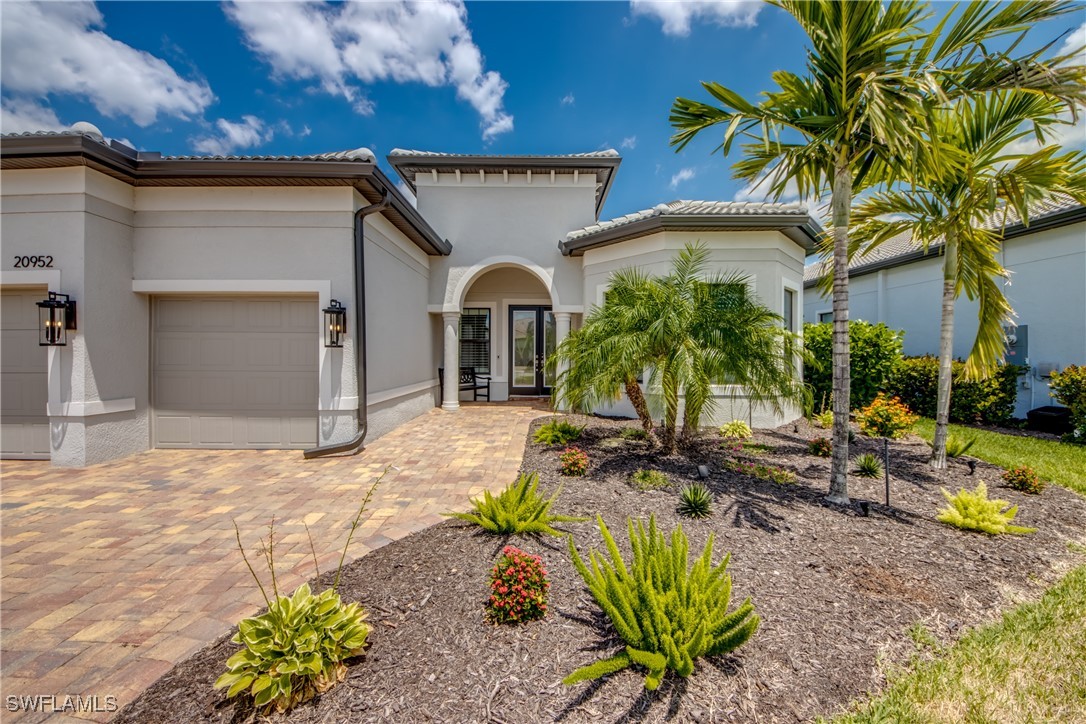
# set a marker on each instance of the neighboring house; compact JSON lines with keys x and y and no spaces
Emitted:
{"x":202,"y":284}
{"x":901,"y":285}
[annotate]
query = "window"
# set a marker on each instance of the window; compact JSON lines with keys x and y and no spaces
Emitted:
{"x":475,"y":340}
{"x":789,"y":310}
{"x":825,"y":317}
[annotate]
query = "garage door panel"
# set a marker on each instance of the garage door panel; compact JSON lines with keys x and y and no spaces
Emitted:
{"x":24,"y":426}
{"x":243,"y":373}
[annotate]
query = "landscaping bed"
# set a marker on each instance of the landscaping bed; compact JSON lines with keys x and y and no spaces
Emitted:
{"x":837,"y":592}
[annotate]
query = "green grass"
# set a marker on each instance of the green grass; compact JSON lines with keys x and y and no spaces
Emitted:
{"x":1029,"y":667}
{"x":1060,"y":462}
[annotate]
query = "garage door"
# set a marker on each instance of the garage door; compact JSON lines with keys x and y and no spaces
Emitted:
{"x":24,"y":426}
{"x":235,"y":372}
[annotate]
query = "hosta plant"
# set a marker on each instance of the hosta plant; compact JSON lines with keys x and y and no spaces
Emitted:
{"x":296,"y":649}
{"x":1024,"y":478}
{"x":668,"y":612}
{"x":736,"y":430}
{"x":972,"y":510}
{"x":573,"y":461}
{"x":518,"y":587}
{"x":648,"y":479}
{"x":557,"y":432}
{"x":516,"y":509}
{"x":820,"y":446}
{"x":695,"y":501}
{"x":886,"y":417}
{"x":868,"y":466}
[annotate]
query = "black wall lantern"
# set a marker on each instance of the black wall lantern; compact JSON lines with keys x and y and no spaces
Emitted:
{"x":56,"y":315}
{"x":335,"y":324}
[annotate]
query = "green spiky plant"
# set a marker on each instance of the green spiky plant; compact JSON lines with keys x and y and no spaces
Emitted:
{"x":557,"y":432}
{"x":668,"y":612}
{"x":695,"y":501}
{"x":972,"y":510}
{"x":517,"y":509}
{"x":868,"y":466}
{"x":958,"y":446}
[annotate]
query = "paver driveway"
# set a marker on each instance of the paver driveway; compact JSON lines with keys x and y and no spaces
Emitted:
{"x":111,"y":574}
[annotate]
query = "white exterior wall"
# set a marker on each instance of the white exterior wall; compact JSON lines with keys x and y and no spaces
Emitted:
{"x":1047,"y":292}
{"x":769,"y":259}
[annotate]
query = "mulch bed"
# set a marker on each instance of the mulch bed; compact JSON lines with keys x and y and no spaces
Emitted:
{"x":837,"y":591}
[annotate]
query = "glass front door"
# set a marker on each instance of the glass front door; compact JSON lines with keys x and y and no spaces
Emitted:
{"x":531,"y":340}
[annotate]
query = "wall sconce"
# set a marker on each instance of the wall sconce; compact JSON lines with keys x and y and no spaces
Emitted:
{"x":335,"y":324}
{"x":56,"y":315}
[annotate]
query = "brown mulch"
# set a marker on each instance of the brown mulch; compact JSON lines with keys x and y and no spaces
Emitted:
{"x":837,"y":591}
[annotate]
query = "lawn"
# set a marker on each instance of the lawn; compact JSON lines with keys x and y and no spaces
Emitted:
{"x":1058,"y":462}
{"x":1031,"y":666}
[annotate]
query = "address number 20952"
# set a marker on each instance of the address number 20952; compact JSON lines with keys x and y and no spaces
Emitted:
{"x":33,"y":262}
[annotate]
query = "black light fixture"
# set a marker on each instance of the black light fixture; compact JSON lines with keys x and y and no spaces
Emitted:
{"x":56,"y":315}
{"x":335,"y":324}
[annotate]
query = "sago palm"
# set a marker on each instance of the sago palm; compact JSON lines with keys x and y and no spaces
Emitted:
{"x":966,"y":206}
{"x":873,"y":75}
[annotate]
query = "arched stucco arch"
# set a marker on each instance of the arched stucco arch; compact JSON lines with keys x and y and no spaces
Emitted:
{"x":456,"y":291}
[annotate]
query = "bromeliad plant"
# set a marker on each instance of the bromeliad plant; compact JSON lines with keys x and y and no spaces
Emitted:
{"x":972,"y":510}
{"x":695,"y":501}
{"x":668,"y":612}
{"x":517,"y":509}
{"x":296,"y":649}
{"x":518,"y":587}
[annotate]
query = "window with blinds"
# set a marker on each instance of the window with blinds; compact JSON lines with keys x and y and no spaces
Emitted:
{"x":475,"y":340}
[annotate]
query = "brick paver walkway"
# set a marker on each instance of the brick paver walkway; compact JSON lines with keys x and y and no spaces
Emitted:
{"x":111,"y":574}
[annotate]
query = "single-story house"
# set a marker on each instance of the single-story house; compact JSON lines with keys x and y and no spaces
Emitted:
{"x":900,"y":284}
{"x":304,"y":302}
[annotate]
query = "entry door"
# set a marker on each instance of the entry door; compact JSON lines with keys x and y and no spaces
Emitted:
{"x":531,"y":341}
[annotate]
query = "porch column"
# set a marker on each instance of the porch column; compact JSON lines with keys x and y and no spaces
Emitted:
{"x":561,"y":331}
{"x":451,"y":399}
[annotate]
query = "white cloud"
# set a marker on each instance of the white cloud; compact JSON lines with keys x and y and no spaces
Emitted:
{"x":341,"y":45}
{"x":677,"y":16}
{"x":758,"y":191}
{"x":59,"y":48}
{"x":249,"y":132}
{"x":20,"y":115}
{"x":684,"y":174}
{"x":1075,"y":42}
{"x":568,"y":99}
{"x":629,"y":142}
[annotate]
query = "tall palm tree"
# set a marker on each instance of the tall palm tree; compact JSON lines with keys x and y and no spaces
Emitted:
{"x":966,"y":206}
{"x":873,"y":77}
{"x":691,"y":329}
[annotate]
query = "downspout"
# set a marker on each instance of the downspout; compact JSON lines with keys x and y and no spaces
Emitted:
{"x":353,"y":446}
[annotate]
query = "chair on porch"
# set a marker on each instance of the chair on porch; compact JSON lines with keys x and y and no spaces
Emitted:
{"x":470,"y":381}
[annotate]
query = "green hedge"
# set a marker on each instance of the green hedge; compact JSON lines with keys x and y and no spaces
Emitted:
{"x":1069,"y":389}
{"x":915,"y":381}
{"x":873,"y":351}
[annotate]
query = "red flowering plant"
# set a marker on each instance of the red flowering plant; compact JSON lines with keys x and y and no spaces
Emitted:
{"x":574,"y":461}
{"x":518,"y":587}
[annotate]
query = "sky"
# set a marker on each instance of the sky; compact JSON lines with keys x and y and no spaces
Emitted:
{"x":281,"y":78}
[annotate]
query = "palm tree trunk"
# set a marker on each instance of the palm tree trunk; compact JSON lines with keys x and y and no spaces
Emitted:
{"x":946,"y":351}
{"x":671,"y":410}
{"x":637,"y":399}
{"x":841,"y":203}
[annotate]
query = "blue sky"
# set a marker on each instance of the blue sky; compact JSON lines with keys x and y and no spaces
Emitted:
{"x":485,"y":77}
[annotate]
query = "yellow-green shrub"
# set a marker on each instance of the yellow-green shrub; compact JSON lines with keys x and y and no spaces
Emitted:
{"x":972,"y":510}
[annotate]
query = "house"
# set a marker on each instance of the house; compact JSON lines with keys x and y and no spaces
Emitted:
{"x":303,"y":301}
{"x":900,"y":284}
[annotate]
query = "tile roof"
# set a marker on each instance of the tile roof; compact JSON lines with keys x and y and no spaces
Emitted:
{"x":692,"y":208}
{"x":358,"y":154}
{"x":608,"y":153}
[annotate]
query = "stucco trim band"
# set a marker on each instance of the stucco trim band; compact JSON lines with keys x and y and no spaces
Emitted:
{"x":92,"y":408}
{"x":384,"y":396}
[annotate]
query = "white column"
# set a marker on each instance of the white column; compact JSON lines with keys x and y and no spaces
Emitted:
{"x":561,"y":329}
{"x":451,"y":399}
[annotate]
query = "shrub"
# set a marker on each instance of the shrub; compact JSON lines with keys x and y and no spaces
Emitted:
{"x":958,"y":446}
{"x":886,"y":417}
{"x":1069,"y":388}
{"x":518,"y":588}
{"x":736,"y":430}
{"x":695,"y":501}
{"x":633,"y":433}
{"x":668,"y":613}
{"x":820,"y":446}
{"x":824,"y":419}
{"x":760,"y":471}
{"x":649,"y":479}
{"x":295,"y":650}
{"x":517,"y":509}
{"x":1024,"y":478}
{"x":972,"y":510}
{"x":916,"y":379}
{"x":868,"y":466}
{"x":557,"y":432}
{"x":574,"y":461}
{"x":873,"y":352}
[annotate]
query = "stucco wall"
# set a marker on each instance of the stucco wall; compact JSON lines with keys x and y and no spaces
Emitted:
{"x":1047,"y":291}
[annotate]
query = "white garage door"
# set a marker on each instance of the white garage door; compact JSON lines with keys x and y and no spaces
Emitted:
{"x":235,"y":372}
{"x":24,"y":392}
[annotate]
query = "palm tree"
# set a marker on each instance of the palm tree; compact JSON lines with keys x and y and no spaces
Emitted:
{"x":873,"y":78}
{"x":692,"y":330}
{"x":967,"y":206}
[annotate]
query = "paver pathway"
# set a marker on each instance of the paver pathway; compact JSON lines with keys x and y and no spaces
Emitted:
{"x":111,"y":574}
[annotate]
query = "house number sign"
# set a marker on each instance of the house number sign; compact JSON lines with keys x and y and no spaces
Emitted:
{"x":33,"y":262}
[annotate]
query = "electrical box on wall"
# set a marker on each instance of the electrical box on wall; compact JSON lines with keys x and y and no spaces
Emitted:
{"x":1017,"y":352}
